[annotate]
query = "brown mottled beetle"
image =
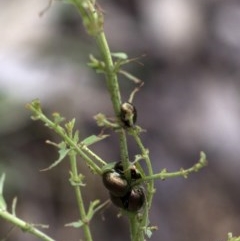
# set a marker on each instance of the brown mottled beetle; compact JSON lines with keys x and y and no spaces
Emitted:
{"x":128,"y":114}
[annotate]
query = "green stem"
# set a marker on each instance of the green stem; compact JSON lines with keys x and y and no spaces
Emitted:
{"x":136,"y":229}
{"x":90,"y":14}
{"x":114,"y":91}
{"x":78,"y":193}
{"x":124,"y":153}
{"x":133,"y":228}
{"x":93,"y":155}
{"x":111,"y":76}
{"x":183,"y":172}
{"x":150,"y":186}
{"x":145,"y":155}
{"x":60,"y":131}
{"x":26,"y":227}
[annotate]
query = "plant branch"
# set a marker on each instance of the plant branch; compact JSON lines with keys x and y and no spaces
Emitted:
{"x":183,"y":172}
{"x":76,"y":182}
{"x":26,"y":227}
{"x":35,"y":107}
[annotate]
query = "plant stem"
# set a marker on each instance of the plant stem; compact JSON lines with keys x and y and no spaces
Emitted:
{"x":93,"y":21}
{"x":78,"y":193}
{"x":111,"y":76}
{"x":26,"y":227}
{"x":60,"y":131}
{"x":145,"y":155}
{"x":183,"y":172}
{"x":114,"y":91}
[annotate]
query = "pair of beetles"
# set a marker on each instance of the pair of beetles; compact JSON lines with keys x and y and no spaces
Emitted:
{"x":123,"y":193}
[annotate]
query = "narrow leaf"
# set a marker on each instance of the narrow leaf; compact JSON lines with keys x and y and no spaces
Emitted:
{"x":69,"y":126}
{"x":77,"y":224}
{"x":94,"y":207}
{"x":3,"y":204}
{"x":108,"y":167}
{"x":93,"y":139}
{"x":130,"y":76}
{"x":62,"y":155}
{"x":120,"y":55}
{"x":76,"y":136}
{"x":14,"y":204}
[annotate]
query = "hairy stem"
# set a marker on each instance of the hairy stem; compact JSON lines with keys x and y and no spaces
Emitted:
{"x":78,"y":193}
{"x":26,"y":227}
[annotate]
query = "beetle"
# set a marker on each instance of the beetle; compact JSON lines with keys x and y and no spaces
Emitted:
{"x":135,"y":174}
{"x":133,"y":201}
{"x":136,"y":199}
{"x":115,"y":183}
{"x":128,"y":114}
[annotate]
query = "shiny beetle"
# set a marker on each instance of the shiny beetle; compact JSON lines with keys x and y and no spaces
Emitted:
{"x":133,"y":201}
{"x":135,"y":174}
{"x":136,"y":199}
{"x":128,"y":114}
{"x":115,"y":183}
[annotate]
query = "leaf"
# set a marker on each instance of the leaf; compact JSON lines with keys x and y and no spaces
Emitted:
{"x":69,"y":126}
{"x":96,"y":64}
{"x":3,"y":204}
{"x":14,"y":204}
{"x":148,"y":233}
{"x":108,"y":167}
{"x":91,"y":210}
{"x":62,"y":154}
{"x":93,"y":139}
{"x":149,"y":230}
{"x":120,"y":55}
{"x":130,"y":76}
{"x":94,"y":207}
{"x":76,"y":136}
{"x":57,"y":118}
{"x":77,"y":224}
{"x":77,"y":181}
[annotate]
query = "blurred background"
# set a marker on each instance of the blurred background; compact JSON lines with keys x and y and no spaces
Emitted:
{"x":190,"y":103}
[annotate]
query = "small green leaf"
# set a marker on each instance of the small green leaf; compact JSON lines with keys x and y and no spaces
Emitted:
{"x":102,"y":120}
{"x":95,"y":207}
{"x":77,"y":224}
{"x":203,"y":159}
{"x":120,"y":55}
{"x":57,"y":118}
{"x":36,"y":105}
{"x":93,"y":139}
{"x":77,"y":181}
{"x":91,"y":210}
{"x":63,"y":151}
{"x":96,"y":64}
{"x":3,"y":204}
{"x":14,"y":204}
{"x":2,"y":179}
{"x":164,"y":171}
{"x":148,"y":233}
{"x":76,"y":136}
{"x":69,"y":126}
{"x":130,"y":76}
{"x":184,"y":173}
{"x":108,"y":167}
{"x":149,"y":230}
